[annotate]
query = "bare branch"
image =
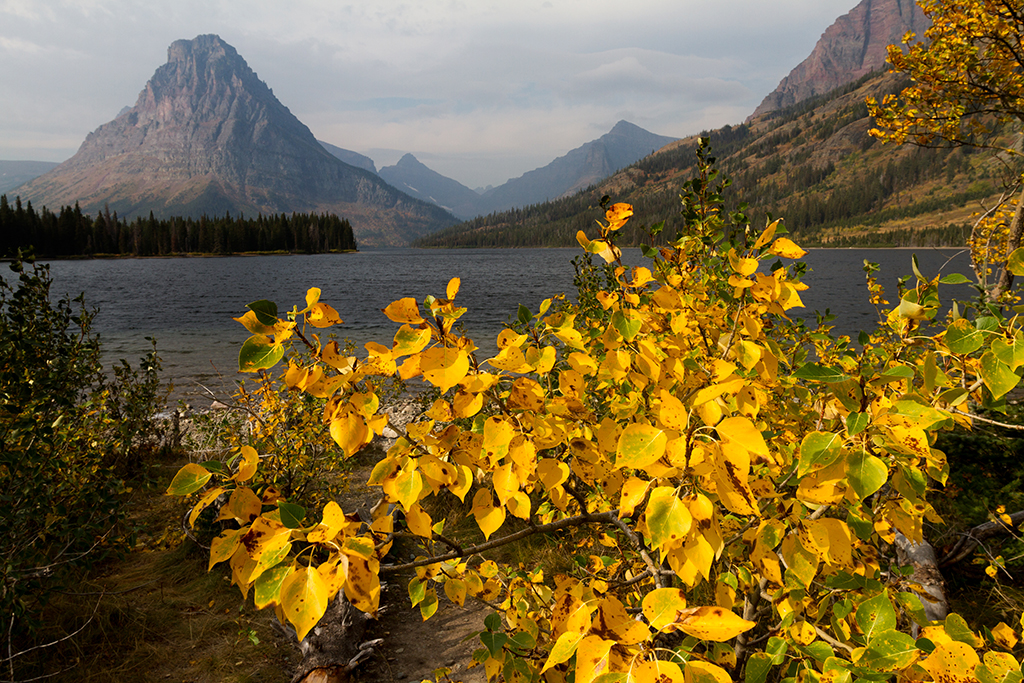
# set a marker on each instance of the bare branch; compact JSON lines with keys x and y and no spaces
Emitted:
{"x":974,"y":537}
{"x":610,"y":517}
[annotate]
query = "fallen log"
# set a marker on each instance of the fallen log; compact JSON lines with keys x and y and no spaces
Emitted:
{"x":333,"y":649}
{"x":970,"y":540}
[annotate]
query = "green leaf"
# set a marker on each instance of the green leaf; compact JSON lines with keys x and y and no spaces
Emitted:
{"x":818,"y":450}
{"x":493,"y":622}
{"x":777,"y":648}
{"x":912,"y":309}
{"x":266,"y":311}
{"x":866,"y":473}
{"x":924,"y":416}
{"x":291,"y":514}
{"x":956,"y":628}
{"x":857,"y":423}
{"x":417,"y":591}
{"x":889,"y":650}
{"x":668,"y":518}
{"x":524,"y":314}
{"x":875,"y":615}
{"x":758,"y":666}
{"x":493,"y":641}
{"x":996,"y":375}
{"x":268,"y":585}
{"x":640,"y":445}
{"x":429,"y":605}
{"x":1009,"y":352}
{"x":912,"y":605}
{"x":916,"y":268}
{"x":897,"y":373}
{"x":819,"y":373}
{"x":522,"y":641}
{"x":956,"y":279}
{"x":1015,"y":264}
{"x":259,"y":353}
{"x":963,"y":338}
{"x":627,"y":324}
{"x":189,"y":479}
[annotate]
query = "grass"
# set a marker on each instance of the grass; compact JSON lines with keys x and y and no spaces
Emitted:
{"x":158,"y":615}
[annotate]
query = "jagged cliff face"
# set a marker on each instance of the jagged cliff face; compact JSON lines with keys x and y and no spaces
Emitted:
{"x":850,"y":48}
{"x":208,"y":136}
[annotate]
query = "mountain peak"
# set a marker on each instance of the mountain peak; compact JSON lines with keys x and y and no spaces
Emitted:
{"x":853,"y":46}
{"x":208,"y":45}
{"x":625,"y":127}
{"x":409,"y":161}
{"x":208,"y":136}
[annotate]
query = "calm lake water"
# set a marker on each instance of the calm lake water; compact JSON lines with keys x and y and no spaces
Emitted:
{"x":188,"y":304}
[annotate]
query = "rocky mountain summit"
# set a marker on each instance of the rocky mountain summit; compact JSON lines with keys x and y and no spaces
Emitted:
{"x":208,"y":136}
{"x":850,"y":48}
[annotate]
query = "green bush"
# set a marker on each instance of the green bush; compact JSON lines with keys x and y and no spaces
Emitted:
{"x":69,"y":435}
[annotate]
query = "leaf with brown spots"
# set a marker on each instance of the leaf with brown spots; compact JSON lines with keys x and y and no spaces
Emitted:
{"x":712,"y":623}
{"x":304,"y":599}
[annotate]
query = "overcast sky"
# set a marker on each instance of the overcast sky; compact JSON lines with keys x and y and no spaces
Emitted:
{"x":479,"y":90}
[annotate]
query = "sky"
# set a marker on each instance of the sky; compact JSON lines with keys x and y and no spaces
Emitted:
{"x":478,"y":90}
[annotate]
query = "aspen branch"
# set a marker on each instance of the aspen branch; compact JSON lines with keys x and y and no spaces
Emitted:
{"x":610,"y":517}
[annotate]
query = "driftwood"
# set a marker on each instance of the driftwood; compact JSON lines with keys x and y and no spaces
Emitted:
{"x":924,"y":561}
{"x":335,"y":647}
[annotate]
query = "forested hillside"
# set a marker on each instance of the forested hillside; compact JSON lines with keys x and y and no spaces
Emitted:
{"x":813,"y":164}
{"x":74,"y":233}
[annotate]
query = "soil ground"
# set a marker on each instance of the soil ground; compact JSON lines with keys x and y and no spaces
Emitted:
{"x":158,"y":615}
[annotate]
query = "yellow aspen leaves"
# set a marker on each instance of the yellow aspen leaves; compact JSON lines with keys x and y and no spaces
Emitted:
{"x":304,"y":599}
{"x":662,"y":607}
{"x":640,"y":445}
{"x":668,"y":518}
{"x":189,"y":479}
{"x":419,"y":521}
{"x":489,"y":517}
{"x":786,"y":248}
{"x":349,"y":431}
{"x":453,"y":288}
{"x":243,"y":506}
{"x":731,"y":474}
{"x":444,"y":367}
{"x":404,"y":311}
{"x":712,"y":623}
{"x":321,"y":316}
{"x":665,"y":429}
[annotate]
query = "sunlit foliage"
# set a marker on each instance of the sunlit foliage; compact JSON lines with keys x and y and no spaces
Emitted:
{"x":731,"y":480}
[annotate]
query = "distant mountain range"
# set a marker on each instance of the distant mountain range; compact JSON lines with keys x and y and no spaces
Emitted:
{"x":15,"y":173}
{"x":208,"y":136}
{"x":577,"y":169}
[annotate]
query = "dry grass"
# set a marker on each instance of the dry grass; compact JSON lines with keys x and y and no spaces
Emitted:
{"x":158,"y":615}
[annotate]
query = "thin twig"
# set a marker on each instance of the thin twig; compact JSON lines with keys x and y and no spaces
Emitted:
{"x":610,"y":517}
{"x":986,"y":420}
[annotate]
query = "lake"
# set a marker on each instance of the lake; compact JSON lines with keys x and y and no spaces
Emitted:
{"x":187,"y":304}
